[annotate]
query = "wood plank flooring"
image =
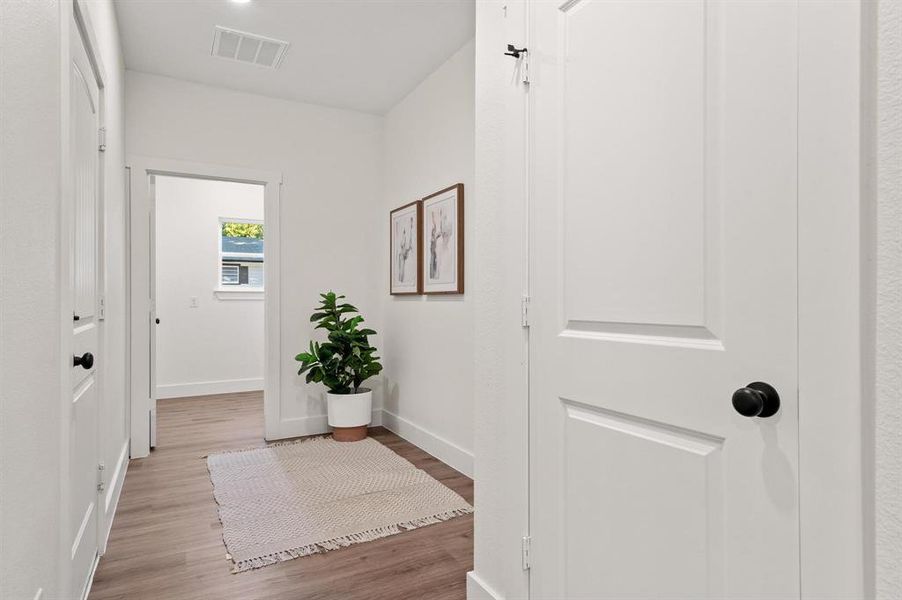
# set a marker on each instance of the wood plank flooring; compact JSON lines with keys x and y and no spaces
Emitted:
{"x":166,"y":541}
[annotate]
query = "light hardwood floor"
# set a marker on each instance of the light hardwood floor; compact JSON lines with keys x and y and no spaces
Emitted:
{"x":166,"y":541}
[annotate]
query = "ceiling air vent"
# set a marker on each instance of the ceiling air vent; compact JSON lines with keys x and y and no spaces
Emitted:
{"x":248,"y":48}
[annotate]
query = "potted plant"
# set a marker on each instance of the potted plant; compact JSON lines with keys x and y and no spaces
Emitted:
{"x":342,"y":363}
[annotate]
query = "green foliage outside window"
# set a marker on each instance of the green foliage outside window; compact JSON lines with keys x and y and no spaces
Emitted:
{"x":248,"y":230}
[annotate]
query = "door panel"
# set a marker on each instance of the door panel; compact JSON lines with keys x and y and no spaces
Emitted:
{"x":647,"y":233}
{"x":84,"y":254}
{"x":663,"y":277}
{"x":680,"y":536}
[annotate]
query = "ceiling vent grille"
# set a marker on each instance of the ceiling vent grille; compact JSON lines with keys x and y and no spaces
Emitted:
{"x":248,"y":48}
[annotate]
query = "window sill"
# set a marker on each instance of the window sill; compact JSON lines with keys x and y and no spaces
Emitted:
{"x":239,"y":294}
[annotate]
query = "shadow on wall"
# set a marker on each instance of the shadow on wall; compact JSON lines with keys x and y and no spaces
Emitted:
{"x":392,"y":395}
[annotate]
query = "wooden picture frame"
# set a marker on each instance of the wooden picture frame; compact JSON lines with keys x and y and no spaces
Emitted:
{"x":405,"y":250}
{"x":442,"y":241}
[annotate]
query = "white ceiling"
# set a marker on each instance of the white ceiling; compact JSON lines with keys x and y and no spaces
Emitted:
{"x":359,"y":54}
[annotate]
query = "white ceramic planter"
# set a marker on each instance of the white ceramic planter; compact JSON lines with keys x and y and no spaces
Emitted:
{"x":350,"y":410}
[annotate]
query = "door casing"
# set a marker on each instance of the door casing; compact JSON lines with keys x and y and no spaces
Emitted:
{"x":834,"y":241}
{"x":140,"y":205}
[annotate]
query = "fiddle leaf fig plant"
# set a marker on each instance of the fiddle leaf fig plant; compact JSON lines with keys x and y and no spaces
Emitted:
{"x":346,"y":359}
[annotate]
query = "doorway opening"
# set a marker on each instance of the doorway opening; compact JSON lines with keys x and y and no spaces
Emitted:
{"x":208,"y":290}
{"x":204,"y":290}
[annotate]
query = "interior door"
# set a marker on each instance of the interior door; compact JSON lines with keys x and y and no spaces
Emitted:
{"x":663,"y":278}
{"x":152,"y":319}
{"x":84,"y":252}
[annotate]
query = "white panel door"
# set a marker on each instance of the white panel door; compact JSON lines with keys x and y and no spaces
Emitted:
{"x":663,"y":278}
{"x":152,"y":319}
{"x":84,"y":252}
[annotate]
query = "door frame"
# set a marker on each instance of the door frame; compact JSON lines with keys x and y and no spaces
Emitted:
{"x":141,"y":168}
{"x":835,"y":366}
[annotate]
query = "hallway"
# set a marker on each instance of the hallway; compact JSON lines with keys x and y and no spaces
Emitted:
{"x":166,"y":539}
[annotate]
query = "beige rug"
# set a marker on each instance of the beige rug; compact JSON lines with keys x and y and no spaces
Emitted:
{"x":300,"y":498}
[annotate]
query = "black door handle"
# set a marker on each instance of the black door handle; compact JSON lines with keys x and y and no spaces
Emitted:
{"x":85,"y":361}
{"x":757,"y":399}
{"x":157,"y":320}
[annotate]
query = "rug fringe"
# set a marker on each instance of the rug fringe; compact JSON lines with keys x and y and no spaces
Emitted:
{"x":345,"y":540}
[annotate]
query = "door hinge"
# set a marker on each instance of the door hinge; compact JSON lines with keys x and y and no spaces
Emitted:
{"x":525,"y":543}
{"x":101,"y":308}
{"x":524,"y":311}
{"x":101,"y":486}
{"x":101,"y":139}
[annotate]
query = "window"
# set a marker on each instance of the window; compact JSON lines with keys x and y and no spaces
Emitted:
{"x":230,"y":274}
{"x":240,"y":255}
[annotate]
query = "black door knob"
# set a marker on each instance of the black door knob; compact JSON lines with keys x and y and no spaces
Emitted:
{"x":85,"y":361}
{"x":157,"y":320}
{"x":757,"y":399}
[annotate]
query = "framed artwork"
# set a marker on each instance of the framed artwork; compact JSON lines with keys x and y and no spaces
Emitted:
{"x":442,"y":239}
{"x":405,"y":249}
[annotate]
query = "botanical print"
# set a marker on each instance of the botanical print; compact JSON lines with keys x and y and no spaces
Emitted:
{"x":441,"y":232}
{"x":442,"y":249}
{"x":404,"y":265}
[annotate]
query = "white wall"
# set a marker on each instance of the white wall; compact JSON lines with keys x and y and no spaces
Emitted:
{"x":217,"y":346}
{"x":331,"y":200}
{"x":428,"y":340}
{"x":30,"y":382}
{"x":34,"y":375}
{"x":888,"y":408}
{"x":499,"y":281}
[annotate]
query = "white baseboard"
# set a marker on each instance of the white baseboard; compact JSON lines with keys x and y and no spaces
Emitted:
{"x":301,"y":426}
{"x":206,"y":388}
{"x":87,"y":591}
{"x":114,"y":490}
{"x":477,"y":589}
{"x":449,"y":453}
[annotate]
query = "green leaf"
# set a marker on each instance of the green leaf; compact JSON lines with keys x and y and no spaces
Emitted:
{"x":346,"y":359}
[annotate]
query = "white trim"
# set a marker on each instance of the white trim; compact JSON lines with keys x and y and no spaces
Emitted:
{"x":83,"y":20}
{"x":114,"y":491}
{"x":207,"y":388}
{"x":477,"y":589}
{"x":239,"y":293}
{"x":446,"y":451}
{"x":139,"y":324}
{"x":832,"y":218}
{"x":316,"y":425}
{"x":90,"y":582}
{"x":92,"y":508}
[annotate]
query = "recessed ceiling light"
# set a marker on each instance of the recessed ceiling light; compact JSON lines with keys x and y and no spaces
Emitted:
{"x":241,"y":1}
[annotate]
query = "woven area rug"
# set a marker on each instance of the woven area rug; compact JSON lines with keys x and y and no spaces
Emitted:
{"x":291,"y":500}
